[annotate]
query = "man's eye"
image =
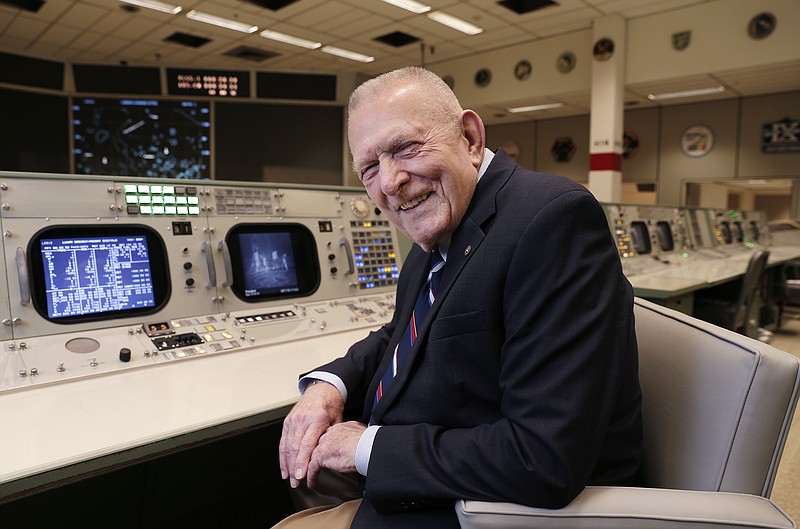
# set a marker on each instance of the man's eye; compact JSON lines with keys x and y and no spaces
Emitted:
{"x":408,"y":149}
{"x":368,"y":172}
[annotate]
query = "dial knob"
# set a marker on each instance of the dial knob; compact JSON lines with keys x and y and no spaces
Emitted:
{"x":359,"y":207}
{"x":125,"y":355}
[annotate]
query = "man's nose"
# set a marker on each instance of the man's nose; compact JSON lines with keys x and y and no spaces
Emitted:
{"x":393,"y":177}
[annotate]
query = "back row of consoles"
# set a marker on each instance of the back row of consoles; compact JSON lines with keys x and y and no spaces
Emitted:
{"x":101,"y":274}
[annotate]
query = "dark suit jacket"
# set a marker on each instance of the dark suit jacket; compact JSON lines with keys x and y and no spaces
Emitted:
{"x":522,"y":385}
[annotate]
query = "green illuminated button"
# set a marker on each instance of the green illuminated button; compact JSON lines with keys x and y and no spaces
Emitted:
{"x":158,"y":200}
{"x":144,"y":199}
{"x":183,"y":210}
{"x":169,"y":200}
{"x":156,"y":190}
{"x":169,"y":190}
{"x":146,"y":210}
{"x":143,"y":189}
{"x":131,"y":199}
{"x":181,"y":200}
{"x":170,"y":210}
{"x":194,"y":210}
{"x":130,"y":188}
{"x":194,"y":200}
{"x":158,"y":210}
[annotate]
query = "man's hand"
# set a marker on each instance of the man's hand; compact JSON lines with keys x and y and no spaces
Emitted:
{"x":336,"y":450}
{"x":320,"y":407}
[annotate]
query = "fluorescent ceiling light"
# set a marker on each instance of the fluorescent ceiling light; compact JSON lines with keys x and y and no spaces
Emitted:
{"x":353,"y":56}
{"x":155,"y":4}
{"x":410,"y":5}
{"x":686,"y":93}
{"x":534,"y":108}
{"x":288,"y":39}
{"x":221,"y":22}
{"x":455,"y":23}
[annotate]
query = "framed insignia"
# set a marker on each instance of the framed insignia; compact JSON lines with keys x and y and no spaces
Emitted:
{"x":483,"y":77}
{"x":603,"y":49}
{"x":781,"y":136}
{"x":697,"y":141}
{"x":761,"y":25}
{"x":566,"y":62}
{"x":681,"y":40}
{"x":522,"y":70}
{"x":563,"y":149}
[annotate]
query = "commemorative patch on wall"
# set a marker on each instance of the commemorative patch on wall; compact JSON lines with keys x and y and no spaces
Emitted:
{"x":781,"y":136}
{"x":563,"y":149}
{"x":697,"y":141}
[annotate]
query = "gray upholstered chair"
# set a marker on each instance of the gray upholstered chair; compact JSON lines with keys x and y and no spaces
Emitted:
{"x":717,"y":407}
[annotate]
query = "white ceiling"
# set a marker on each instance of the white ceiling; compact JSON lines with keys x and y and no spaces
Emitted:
{"x":103,"y":32}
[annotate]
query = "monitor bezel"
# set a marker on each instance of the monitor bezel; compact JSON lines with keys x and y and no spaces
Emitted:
{"x":159,"y":269}
{"x":303,"y":243}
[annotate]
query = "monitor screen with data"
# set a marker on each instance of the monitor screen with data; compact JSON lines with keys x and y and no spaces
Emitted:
{"x":83,"y":274}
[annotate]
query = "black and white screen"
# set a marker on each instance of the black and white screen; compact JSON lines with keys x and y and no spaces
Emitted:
{"x":268,"y":264}
{"x":91,"y":275}
{"x":272,"y":261}
{"x":142,"y":137}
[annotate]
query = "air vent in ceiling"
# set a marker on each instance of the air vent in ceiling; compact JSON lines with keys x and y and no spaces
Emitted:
{"x":397,"y":39}
{"x":250,"y":54}
{"x":526,"y":6}
{"x":271,"y":4}
{"x":27,"y":5}
{"x":193,"y":41}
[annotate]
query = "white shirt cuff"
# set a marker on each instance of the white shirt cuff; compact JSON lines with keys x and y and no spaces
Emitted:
{"x":322,"y":375}
{"x":364,"y":449}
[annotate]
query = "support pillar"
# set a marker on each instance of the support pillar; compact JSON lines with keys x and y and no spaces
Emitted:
{"x":608,"y":105}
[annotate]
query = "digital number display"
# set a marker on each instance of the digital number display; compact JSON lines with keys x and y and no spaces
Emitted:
{"x":214,"y":83}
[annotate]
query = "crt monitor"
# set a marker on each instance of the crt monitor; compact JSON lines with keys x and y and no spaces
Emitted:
{"x":82,"y":273}
{"x":664,"y":235}
{"x":641,"y":237}
{"x":273,"y":261}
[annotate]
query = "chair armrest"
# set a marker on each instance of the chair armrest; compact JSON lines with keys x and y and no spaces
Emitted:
{"x":632,"y":508}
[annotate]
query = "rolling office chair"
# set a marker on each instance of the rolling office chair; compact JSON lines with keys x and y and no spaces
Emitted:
{"x":717,"y":407}
{"x":734,"y":313}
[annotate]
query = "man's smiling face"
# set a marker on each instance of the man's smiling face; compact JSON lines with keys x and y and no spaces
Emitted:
{"x":419,"y":169}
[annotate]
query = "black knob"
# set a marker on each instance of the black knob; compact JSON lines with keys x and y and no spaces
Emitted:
{"x":187,"y":266}
{"x":189,"y":282}
{"x":125,"y":354}
{"x":331,"y":257}
{"x":334,"y":270}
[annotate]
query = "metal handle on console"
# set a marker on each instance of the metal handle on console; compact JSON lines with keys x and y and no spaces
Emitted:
{"x":212,"y":271}
{"x":22,"y":274}
{"x":350,"y":262}
{"x":226,"y":259}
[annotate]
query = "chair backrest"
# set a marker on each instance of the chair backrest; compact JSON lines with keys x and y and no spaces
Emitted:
{"x":751,"y":282}
{"x":716,"y":405}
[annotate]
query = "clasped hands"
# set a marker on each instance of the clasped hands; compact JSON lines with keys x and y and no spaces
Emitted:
{"x":314,"y":436}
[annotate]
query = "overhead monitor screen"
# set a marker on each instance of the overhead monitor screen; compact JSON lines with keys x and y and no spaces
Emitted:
{"x":81,"y":274}
{"x":272,"y":261}
{"x":142,"y":137}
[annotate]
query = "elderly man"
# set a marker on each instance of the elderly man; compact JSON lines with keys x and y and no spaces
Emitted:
{"x":509,"y":369}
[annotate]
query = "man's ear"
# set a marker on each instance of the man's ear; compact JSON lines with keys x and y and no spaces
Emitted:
{"x":475,"y":134}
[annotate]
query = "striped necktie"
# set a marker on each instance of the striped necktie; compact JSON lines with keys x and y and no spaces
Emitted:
{"x":427,"y":295}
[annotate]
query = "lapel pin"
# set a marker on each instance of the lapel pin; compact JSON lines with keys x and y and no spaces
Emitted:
{"x":467,"y":249}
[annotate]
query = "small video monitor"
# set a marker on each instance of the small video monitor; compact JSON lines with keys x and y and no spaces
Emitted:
{"x":83,"y":273}
{"x":273,"y":261}
{"x":641,"y":237}
{"x":755,"y":233}
{"x":725,"y":231}
{"x":738,"y":232}
{"x":664,"y":235}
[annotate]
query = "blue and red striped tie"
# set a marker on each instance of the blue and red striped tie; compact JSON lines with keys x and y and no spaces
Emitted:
{"x":427,"y":295}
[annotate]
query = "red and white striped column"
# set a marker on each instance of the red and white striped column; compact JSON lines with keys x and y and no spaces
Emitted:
{"x":607,"y":112}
